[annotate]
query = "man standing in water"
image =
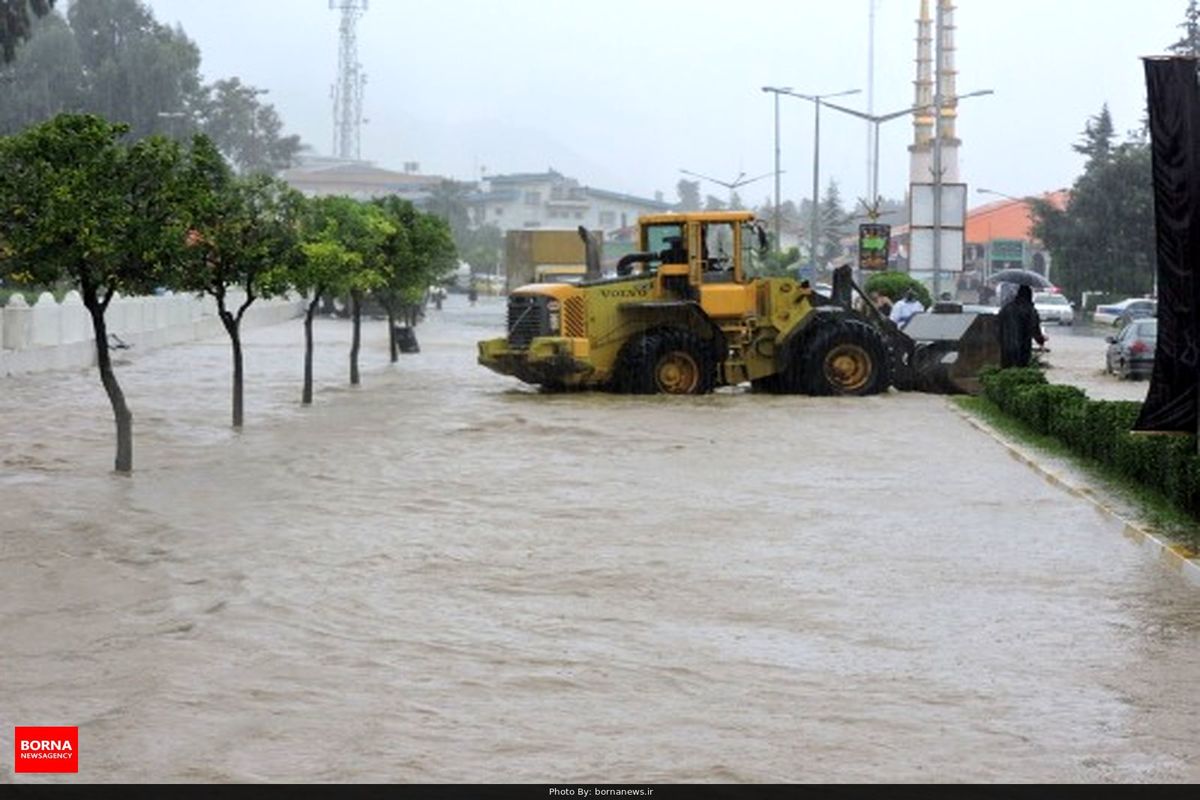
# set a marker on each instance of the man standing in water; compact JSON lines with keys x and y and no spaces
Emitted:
{"x":1018,"y":323}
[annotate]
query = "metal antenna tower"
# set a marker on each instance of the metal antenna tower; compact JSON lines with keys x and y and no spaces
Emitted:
{"x":348,"y":91}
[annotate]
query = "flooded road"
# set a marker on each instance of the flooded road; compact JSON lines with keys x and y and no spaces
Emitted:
{"x":443,"y":576}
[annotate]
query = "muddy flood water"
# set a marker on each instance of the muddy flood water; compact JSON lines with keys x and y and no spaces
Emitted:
{"x":444,"y":576}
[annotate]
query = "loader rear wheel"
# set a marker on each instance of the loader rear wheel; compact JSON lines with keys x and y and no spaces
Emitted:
{"x":843,"y":357}
{"x":667,"y":361}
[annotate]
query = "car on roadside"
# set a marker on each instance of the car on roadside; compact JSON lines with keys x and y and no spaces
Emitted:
{"x":1130,"y":353}
{"x":1120,"y":314}
{"x":1052,"y":307}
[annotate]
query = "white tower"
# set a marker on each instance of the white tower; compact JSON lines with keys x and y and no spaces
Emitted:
{"x":927,"y":94}
{"x":348,"y":91}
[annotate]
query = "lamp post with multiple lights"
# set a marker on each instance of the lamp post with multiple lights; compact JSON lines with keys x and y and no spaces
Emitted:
{"x":817,"y":100}
{"x":733,"y":185}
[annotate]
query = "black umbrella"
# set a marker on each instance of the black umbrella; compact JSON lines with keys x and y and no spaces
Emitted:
{"x":1021,"y":277}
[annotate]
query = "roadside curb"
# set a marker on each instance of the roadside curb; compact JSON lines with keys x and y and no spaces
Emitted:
{"x":1178,"y":557}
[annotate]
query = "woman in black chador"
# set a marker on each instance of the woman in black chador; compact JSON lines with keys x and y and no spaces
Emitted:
{"x":1019,"y":325}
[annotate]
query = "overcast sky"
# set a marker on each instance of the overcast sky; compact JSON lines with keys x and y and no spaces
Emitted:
{"x":624,"y":93}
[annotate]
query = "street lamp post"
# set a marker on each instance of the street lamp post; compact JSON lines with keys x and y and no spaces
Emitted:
{"x":877,"y":120}
{"x":817,"y":100}
{"x":777,"y":90}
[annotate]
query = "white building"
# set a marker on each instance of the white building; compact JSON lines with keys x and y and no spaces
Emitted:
{"x":552,"y":201}
{"x":316,"y":176}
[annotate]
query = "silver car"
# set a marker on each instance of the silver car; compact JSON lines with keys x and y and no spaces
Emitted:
{"x":1130,"y":353}
{"x":1121,"y":314}
{"x":1054,"y":308}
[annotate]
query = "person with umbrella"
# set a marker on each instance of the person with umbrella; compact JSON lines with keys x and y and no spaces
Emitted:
{"x":1006,"y":282}
{"x":1018,"y":325}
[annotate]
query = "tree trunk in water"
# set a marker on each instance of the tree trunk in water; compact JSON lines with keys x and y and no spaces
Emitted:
{"x":306,"y":395}
{"x":124,"y":420}
{"x":232,"y":326}
{"x":355,"y":337}
{"x":392,"y":335}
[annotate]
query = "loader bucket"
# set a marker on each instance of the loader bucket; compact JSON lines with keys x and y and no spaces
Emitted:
{"x":950,"y":350}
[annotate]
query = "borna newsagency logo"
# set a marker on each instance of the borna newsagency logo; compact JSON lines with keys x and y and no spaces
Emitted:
{"x":46,"y":748}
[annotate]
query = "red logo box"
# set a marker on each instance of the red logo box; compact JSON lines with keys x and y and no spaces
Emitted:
{"x":46,"y":749}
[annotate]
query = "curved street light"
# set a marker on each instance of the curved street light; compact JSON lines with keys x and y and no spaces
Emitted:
{"x":732,"y":186}
{"x":878,"y":119}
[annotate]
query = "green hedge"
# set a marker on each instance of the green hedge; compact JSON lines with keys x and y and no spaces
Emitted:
{"x":1100,"y":430}
{"x":893,"y":285}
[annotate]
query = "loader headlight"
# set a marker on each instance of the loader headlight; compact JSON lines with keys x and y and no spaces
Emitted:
{"x":553,"y":305}
{"x":554,"y":319}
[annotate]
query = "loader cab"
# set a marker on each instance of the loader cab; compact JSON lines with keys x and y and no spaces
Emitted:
{"x":719,"y":261}
{"x":667,"y":241}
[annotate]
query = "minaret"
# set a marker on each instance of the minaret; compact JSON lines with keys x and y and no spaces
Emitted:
{"x":923,"y":98}
{"x":948,"y":88}
{"x":921,"y":150}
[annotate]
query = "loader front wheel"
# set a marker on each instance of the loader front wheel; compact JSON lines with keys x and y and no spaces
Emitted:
{"x":843,"y":357}
{"x":667,"y":362}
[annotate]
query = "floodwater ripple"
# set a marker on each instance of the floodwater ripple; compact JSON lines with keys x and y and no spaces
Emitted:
{"x":445,"y":576}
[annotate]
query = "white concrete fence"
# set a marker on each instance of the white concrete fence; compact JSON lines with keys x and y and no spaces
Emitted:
{"x":50,"y":335}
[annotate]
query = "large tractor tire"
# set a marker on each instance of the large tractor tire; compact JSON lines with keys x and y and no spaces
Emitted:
{"x":843,"y":357}
{"x":667,"y":361}
{"x":771,"y":384}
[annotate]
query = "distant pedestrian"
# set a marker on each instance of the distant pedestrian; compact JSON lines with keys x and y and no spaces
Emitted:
{"x":1019,"y":326}
{"x":907,"y":308}
{"x":472,"y":294}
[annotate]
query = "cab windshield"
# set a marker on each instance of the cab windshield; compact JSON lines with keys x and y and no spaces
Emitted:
{"x":662,"y":237}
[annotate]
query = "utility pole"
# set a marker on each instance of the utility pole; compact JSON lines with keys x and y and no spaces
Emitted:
{"x":777,"y":90}
{"x":872,"y":131}
{"x":816,"y":100}
{"x":938,"y":99}
{"x":348,"y":91}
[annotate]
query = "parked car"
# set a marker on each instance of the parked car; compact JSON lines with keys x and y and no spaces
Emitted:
{"x":1122,"y":313}
{"x":1131,"y":352}
{"x":1053,"y":307}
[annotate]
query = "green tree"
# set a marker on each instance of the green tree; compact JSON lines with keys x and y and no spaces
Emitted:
{"x":243,"y":233}
{"x":324,"y":264}
{"x":1104,"y":239}
{"x":80,"y":205}
{"x":1098,"y":135}
{"x":1189,"y":44}
{"x":136,"y":69}
{"x":482,"y":248}
{"x":16,"y":23}
{"x":44,"y":79}
{"x":774,"y":264}
{"x":248,"y":132}
{"x":689,"y":195}
{"x":114,"y":59}
{"x":835,"y":223}
{"x":448,"y":200}
{"x":418,"y":252}
{"x":366,"y":237}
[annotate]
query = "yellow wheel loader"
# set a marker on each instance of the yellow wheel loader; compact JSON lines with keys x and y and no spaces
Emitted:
{"x":682,"y":316}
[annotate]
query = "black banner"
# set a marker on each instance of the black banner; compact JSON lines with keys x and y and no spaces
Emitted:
{"x":1174,"y":101}
{"x":873,"y":243}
